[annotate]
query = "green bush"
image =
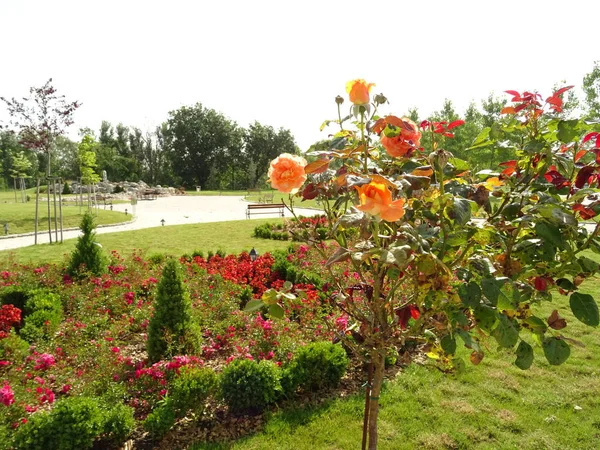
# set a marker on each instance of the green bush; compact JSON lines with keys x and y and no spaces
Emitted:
{"x":156,"y":259}
{"x":42,"y":316}
{"x":118,"y":189}
{"x":191,"y":388}
{"x":66,"y":189}
{"x":119,"y":423}
{"x":13,"y":348}
{"x":245,"y":296}
{"x":198,"y":253}
{"x":322,"y":233}
{"x":15,"y":295}
{"x":248,"y":385}
{"x":73,"y":424}
{"x":88,"y":256}
{"x":316,"y":366}
{"x":171,"y":330}
{"x":161,"y":419}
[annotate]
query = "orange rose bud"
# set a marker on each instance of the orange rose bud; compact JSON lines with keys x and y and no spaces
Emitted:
{"x":401,"y":145}
{"x":376,"y":199}
{"x":358,"y":91}
{"x":286,"y":173}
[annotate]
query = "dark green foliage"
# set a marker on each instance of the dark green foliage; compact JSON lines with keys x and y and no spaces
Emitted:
{"x":73,"y":424}
{"x":14,"y":295}
{"x":316,"y":366}
{"x":42,"y":315}
{"x":118,"y":189}
{"x":66,"y":189}
{"x":248,"y":385}
{"x":191,"y":388}
{"x":322,"y":233}
{"x":245,"y":297}
{"x":119,"y":423}
{"x":13,"y":348}
{"x":88,"y":256}
{"x":263,"y":231}
{"x":221,"y":253}
{"x":198,"y":253}
{"x":157,"y":259}
{"x":171,"y":330}
{"x":161,"y":419}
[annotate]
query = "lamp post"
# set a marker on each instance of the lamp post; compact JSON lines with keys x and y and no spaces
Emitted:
{"x":253,"y":254}
{"x":162,"y":221}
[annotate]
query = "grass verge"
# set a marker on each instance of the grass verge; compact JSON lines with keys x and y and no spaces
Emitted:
{"x":231,"y":237}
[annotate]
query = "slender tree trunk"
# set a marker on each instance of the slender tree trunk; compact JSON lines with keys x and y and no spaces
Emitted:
{"x":378,"y":366}
{"x":49,"y":215}
{"x":60,"y":212}
{"x":55,"y":215}
{"x":37,"y":203}
{"x":15,"y":185}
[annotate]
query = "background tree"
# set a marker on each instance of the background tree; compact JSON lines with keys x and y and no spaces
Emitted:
{"x":591,"y":90}
{"x":20,"y":171}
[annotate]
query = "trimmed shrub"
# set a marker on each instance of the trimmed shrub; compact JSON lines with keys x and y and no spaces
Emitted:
{"x":316,"y":366}
{"x":156,"y":259}
{"x":73,"y":424}
{"x":161,"y":419}
{"x":248,"y":385}
{"x":119,"y":423}
{"x":13,"y":348}
{"x":15,"y":295}
{"x":198,"y":253}
{"x":191,"y":388}
{"x":66,"y":189}
{"x":171,"y":330}
{"x":42,"y":316}
{"x":88,"y":256}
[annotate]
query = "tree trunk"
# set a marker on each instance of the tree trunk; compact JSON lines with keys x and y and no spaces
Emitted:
{"x":378,"y":366}
{"x":49,"y":215}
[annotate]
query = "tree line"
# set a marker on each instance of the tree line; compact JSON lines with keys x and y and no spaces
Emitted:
{"x":198,"y":146}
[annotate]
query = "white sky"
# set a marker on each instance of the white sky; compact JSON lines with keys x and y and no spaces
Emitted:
{"x":282,"y":63}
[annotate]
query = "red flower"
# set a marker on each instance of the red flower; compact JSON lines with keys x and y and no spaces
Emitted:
{"x":405,"y":313}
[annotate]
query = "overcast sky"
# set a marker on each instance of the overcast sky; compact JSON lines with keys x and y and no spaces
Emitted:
{"x":282,"y":63}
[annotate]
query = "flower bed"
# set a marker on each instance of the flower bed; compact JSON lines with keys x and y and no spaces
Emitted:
{"x":98,"y":349}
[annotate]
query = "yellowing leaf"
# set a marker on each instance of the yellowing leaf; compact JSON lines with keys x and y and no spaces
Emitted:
{"x":492,"y":183}
{"x":423,"y":171}
{"x":318,"y":166}
{"x":379,"y":179}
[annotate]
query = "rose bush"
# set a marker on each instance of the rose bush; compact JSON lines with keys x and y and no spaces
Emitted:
{"x":441,"y":253}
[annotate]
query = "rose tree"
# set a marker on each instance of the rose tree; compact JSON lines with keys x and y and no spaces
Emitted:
{"x":445,"y":255}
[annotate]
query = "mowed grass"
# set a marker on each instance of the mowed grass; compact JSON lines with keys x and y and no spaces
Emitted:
{"x":21,"y":216}
{"x":491,"y":406}
{"x":177,"y":240}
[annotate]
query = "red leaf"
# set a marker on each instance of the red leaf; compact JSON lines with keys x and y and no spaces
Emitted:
{"x":508,"y":110}
{"x":583,"y":175}
{"x":395,"y":121}
{"x":556,"y":322}
{"x":554,"y":177}
{"x":591,"y":136}
{"x":511,"y":163}
{"x":580,"y":155}
{"x":456,"y":123}
{"x":562,"y":90}
{"x":540,"y":284}
{"x":515,"y":94}
{"x":509,"y":171}
{"x":585,"y":213}
{"x":424,"y":124}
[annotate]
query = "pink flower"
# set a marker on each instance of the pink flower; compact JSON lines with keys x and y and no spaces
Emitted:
{"x":129,"y":296}
{"x":65,"y":389}
{"x":45,"y":361}
{"x":7,"y":396}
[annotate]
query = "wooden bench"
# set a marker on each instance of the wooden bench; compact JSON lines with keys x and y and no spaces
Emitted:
{"x":264,"y":208}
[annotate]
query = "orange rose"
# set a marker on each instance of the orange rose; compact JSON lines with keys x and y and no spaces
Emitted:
{"x":358,"y":91}
{"x":376,"y":199}
{"x":286,"y":173}
{"x":409,"y":138}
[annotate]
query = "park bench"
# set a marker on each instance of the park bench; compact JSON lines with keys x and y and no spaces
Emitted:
{"x":148,"y":194}
{"x":265,"y":208}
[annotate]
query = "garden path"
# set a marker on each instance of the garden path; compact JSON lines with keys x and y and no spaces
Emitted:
{"x":175,"y":210}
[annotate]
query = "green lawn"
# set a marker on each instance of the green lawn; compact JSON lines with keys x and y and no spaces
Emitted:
{"x":21,"y":216}
{"x":231,"y":237}
{"x":491,"y":406}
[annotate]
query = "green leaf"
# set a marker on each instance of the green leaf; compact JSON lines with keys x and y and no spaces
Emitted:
{"x":459,"y":211}
{"x":458,"y":238}
{"x":482,"y":136}
{"x":491,"y":288}
{"x":556,"y":350}
{"x":524,"y":356}
{"x":253,"y":305}
{"x":565,"y":284}
{"x":269,"y":296}
{"x":448,"y":344}
{"x":276,"y":311}
{"x":506,"y":334}
{"x":536,"y":325}
{"x":556,"y":215}
{"x":486,"y":317}
{"x":551,"y":233}
{"x":585,"y":308}
{"x":568,"y":130}
{"x":588,"y":265}
{"x":484,"y":236}
{"x":470,"y":294}
{"x":469,"y":341}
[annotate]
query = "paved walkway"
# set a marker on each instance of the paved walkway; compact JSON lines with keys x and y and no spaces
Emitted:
{"x":175,"y":210}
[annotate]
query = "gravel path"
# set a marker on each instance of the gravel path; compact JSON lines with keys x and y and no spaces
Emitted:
{"x":175,"y":210}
